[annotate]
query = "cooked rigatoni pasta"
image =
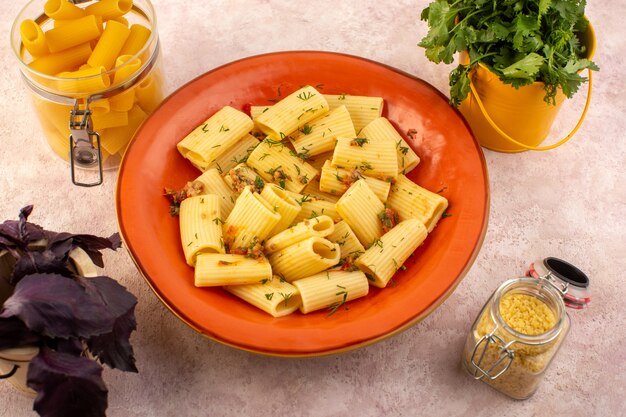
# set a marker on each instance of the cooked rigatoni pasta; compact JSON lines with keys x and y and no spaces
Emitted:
{"x":347,"y":240}
{"x":66,"y":60}
{"x":360,"y":208}
{"x":255,"y":111}
{"x":331,"y":290}
{"x":382,"y":129}
{"x":80,"y":30}
{"x":414,"y":202}
{"x":319,"y":135}
{"x":373,"y":158}
{"x":33,"y":38}
{"x":305,"y":258}
{"x":386,"y":256}
{"x":200,"y":226}
{"x":292,"y":112}
{"x":362,"y":109}
{"x":109,"y":45}
{"x":216,"y":269}
{"x":214,"y":184}
{"x":250,"y":222}
{"x":283,"y":204}
{"x":276,"y":296}
{"x":312,"y":208}
{"x":62,"y":10}
{"x":312,"y":190}
{"x":219,"y":132}
{"x":236,"y":154}
{"x":274,"y":162}
{"x":321,"y":226}
{"x":336,"y":181}
{"x":110,"y":9}
{"x":137,"y":38}
{"x":242,"y":176}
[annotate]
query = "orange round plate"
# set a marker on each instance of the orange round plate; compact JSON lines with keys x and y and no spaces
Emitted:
{"x":452,"y":163}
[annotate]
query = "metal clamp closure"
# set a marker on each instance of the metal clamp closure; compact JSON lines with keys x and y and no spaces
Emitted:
{"x":554,"y":282}
{"x":505,"y":355}
{"x":84,"y":144}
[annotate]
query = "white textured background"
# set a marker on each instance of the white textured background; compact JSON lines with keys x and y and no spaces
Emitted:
{"x":567,"y":203}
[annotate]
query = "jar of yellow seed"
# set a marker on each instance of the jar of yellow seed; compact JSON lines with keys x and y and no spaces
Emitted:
{"x":522,"y":326}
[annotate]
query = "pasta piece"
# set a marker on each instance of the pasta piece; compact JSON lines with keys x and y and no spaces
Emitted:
{"x":125,"y":100}
{"x":137,"y":38}
{"x":305,"y":258}
{"x":414,"y":202}
{"x":387,"y":255}
{"x":80,"y":31}
{"x":236,"y":154}
{"x":312,"y":190}
{"x":274,"y":162}
{"x":215,"y":184}
{"x":109,"y":119}
{"x":116,"y":139}
{"x":320,"y":226}
{"x":242,"y":176}
{"x":215,"y":269}
{"x":373,"y":158}
{"x":312,"y":208}
{"x":200,"y":226}
{"x":347,"y":241}
{"x":382,"y":129}
{"x":33,"y":38}
{"x":283,"y":204}
{"x":336,"y":181}
{"x":276,"y":296}
{"x":110,"y":9}
{"x":84,"y":81}
{"x":109,"y":45}
{"x":362,"y":109}
{"x":250,"y":222}
{"x":255,"y":111}
{"x":292,"y":112}
{"x":66,"y":60}
{"x":122,"y":20}
{"x":149,"y":94}
{"x":331,"y":290}
{"x":219,"y":132}
{"x":319,"y":160}
{"x":360,"y":207}
{"x":62,"y":9}
{"x":320,"y":134}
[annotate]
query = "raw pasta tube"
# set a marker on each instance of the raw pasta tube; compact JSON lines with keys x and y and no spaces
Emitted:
{"x":200,"y":226}
{"x":283,"y":204}
{"x":382,"y":129}
{"x":33,"y":38}
{"x":219,"y":132}
{"x":336,"y":181}
{"x":84,"y":81}
{"x":62,"y":10}
{"x":414,"y":202}
{"x":360,"y":207}
{"x":274,"y":162}
{"x":125,"y":67}
{"x":331,"y":290}
{"x":81,"y":30}
{"x":305,"y":258}
{"x":387,"y":255}
{"x":110,"y":9}
{"x":374,"y":158}
{"x":292,"y":112}
{"x":117,"y":138}
{"x":320,"y":226}
{"x":137,"y":38}
{"x":362,"y":109}
{"x":65,"y":60}
{"x":149,"y":94}
{"x":347,"y":240}
{"x":319,"y":135}
{"x":214,"y":184}
{"x":312,"y":208}
{"x":276,"y":296}
{"x":216,"y":269}
{"x":109,"y":45}
{"x":236,"y":154}
{"x":251,"y":221}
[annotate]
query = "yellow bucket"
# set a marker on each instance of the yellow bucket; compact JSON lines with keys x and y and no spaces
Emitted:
{"x":497,"y":113}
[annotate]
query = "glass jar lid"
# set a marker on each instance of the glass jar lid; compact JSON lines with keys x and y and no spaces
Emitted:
{"x":574,"y":283}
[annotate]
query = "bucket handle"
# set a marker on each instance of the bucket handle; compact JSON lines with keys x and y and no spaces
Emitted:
{"x":535,"y":148}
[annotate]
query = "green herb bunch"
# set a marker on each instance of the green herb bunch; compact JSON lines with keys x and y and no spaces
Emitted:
{"x":522,"y":41}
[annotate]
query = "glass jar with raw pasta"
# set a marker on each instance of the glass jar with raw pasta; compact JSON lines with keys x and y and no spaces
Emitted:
{"x":93,"y":71}
{"x":522,"y":326}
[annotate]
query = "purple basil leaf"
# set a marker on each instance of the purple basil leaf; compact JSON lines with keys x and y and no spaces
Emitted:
{"x":56,"y":306}
{"x":71,"y":346}
{"x":114,"y":349}
{"x":67,"y":385}
{"x":89,"y":243}
{"x":44,"y":262}
{"x":14,"y":333}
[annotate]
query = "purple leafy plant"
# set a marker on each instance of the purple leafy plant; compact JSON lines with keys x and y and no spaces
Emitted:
{"x":49,"y":305}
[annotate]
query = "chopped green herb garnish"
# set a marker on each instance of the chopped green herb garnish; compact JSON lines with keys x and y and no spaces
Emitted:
{"x":305,"y":95}
{"x":269,"y":296}
{"x":306,"y":129}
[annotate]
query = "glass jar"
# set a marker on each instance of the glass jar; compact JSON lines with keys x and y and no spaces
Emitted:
{"x":88,"y":118}
{"x":522,"y":326}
